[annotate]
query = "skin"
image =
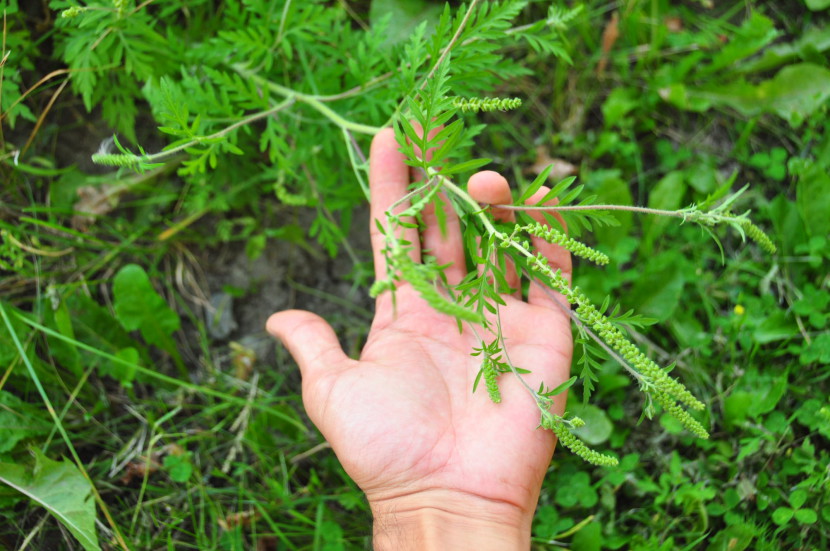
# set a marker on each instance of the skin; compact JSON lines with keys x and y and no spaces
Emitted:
{"x":439,"y":464}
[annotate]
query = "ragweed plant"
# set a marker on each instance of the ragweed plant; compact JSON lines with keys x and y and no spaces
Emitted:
{"x":476,"y":300}
{"x":254,"y":72}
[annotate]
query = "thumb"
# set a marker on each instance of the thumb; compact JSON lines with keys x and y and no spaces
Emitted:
{"x":310,"y":340}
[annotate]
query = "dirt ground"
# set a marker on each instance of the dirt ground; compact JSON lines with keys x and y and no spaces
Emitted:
{"x":287,"y":276}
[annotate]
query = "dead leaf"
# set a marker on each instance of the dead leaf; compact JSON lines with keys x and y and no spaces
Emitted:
{"x":561,"y":168}
{"x":139,"y":469}
{"x":673,"y":24}
{"x":266,"y":543}
{"x":609,"y":37}
{"x":243,"y":360}
{"x":243,"y":518}
{"x":93,"y":201}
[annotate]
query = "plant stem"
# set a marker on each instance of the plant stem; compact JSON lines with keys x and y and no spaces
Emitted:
{"x":248,"y":120}
{"x":310,"y":100}
{"x":641,"y":210}
{"x":196,"y":141}
{"x":451,"y":43}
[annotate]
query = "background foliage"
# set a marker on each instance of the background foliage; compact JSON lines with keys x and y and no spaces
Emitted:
{"x":132,"y":303}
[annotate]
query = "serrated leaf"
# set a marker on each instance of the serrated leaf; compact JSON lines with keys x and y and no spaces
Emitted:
{"x":62,"y":490}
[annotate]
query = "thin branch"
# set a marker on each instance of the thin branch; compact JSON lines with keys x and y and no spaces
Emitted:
{"x":99,"y":158}
{"x":582,"y":327}
{"x":641,"y":210}
{"x":310,"y":100}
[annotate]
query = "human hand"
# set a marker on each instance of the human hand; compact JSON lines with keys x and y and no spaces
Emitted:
{"x":441,"y":467}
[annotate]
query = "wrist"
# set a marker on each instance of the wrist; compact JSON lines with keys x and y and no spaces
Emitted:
{"x":444,"y":519}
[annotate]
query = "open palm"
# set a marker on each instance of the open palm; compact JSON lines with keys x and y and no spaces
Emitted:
{"x":403,"y":419}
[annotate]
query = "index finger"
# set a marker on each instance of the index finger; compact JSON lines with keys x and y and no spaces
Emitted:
{"x":388,"y":182}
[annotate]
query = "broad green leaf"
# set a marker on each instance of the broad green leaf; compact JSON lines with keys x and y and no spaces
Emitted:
{"x":8,"y":351}
{"x":404,"y":17}
{"x":178,"y":467}
{"x":62,"y":490}
{"x":139,"y":307}
{"x":813,"y":200}
{"x":815,"y":414}
{"x":794,"y":94}
{"x":735,"y":407}
{"x":817,"y":5}
{"x":798,"y":498}
{"x":733,"y":538}
{"x":620,"y":102}
{"x":597,"y":427}
{"x":666,"y":195}
{"x":789,"y":225}
{"x":755,"y":33}
{"x":613,"y":190}
{"x":776,"y":327}
{"x":770,"y":393}
{"x":19,"y":421}
{"x":815,"y":39}
{"x":96,"y":327}
{"x":806,"y":516}
{"x":589,"y":538}
{"x":659,"y":288}
{"x":782,"y":515}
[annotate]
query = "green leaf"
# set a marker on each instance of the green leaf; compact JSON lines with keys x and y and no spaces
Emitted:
{"x":794,"y":94}
{"x":736,"y":406}
{"x":612,"y":190}
{"x":782,"y":515}
{"x":404,"y":17}
{"x":806,"y":516}
{"x":62,"y":490}
{"x":659,"y":287}
{"x":178,"y":467}
{"x":466,"y":166}
{"x":813,"y":199}
{"x":597,"y":427}
{"x":95,"y":326}
{"x":778,"y":326}
{"x":563,"y":387}
{"x":733,"y":538}
{"x":798,"y":498}
{"x":620,"y":102}
{"x":666,"y":195}
{"x":535,"y":185}
{"x":139,"y":307}
{"x":19,"y":421}
{"x":589,"y":538}
{"x":817,"y":5}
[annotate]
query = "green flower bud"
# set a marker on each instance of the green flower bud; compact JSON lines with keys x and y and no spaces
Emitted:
{"x":756,"y":234}
{"x":74,"y":11}
{"x":474,"y":105}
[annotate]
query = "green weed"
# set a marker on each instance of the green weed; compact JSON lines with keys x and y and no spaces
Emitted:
{"x":243,"y":125}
